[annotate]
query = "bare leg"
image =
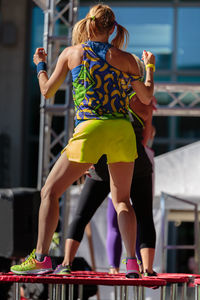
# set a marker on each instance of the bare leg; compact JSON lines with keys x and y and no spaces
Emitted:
{"x":113,"y":270}
{"x":147,"y":259}
{"x":71,"y":247}
{"x":120,"y":182}
{"x":63,"y":174}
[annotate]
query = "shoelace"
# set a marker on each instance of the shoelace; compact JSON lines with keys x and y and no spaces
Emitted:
{"x":67,"y":267}
{"x":56,"y":269}
{"x":29,"y":259}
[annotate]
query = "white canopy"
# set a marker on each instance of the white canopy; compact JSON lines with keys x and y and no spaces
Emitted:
{"x":178,"y":172}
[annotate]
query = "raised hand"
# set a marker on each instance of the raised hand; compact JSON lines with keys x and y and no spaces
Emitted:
{"x":148,"y":57}
{"x":40,"y":55}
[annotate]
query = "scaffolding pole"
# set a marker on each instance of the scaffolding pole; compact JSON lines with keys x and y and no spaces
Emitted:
{"x":59,"y":16}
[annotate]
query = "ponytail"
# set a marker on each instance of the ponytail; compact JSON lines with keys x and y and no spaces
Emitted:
{"x":100,"y":19}
{"x":79,"y":33}
{"x":122,"y":36}
{"x":83,"y":30}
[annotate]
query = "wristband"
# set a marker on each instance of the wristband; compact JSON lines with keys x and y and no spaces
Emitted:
{"x":150,"y":66}
{"x":41,"y":66}
{"x":40,"y":72}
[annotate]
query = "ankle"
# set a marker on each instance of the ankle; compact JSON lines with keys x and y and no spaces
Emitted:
{"x":152,"y":273}
{"x":113,"y":270}
{"x":131,"y":257}
{"x":148,"y":270}
{"x":40,"y":257}
{"x":66,"y":263}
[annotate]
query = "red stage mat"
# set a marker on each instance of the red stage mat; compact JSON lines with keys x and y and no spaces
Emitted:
{"x":84,"y":277}
{"x":174,"y":277}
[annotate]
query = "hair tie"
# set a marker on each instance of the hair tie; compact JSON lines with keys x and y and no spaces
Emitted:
{"x":93,"y":18}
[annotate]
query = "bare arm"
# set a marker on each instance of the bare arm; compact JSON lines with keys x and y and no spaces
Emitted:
{"x":49,"y":86}
{"x":145,"y":112}
{"x":148,"y":128}
{"x":145,"y":90}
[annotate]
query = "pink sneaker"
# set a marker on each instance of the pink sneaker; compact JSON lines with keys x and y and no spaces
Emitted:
{"x":33,"y":266}
{"x":132,"y":268}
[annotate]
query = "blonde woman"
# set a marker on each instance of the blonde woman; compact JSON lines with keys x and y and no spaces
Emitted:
{"x":101,"y":73}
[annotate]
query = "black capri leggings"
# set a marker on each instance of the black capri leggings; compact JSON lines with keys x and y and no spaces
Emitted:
{"x":93,"y":194}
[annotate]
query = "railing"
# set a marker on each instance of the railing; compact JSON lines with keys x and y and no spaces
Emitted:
{"x":182,"y":99}
{"x":165,"y":246}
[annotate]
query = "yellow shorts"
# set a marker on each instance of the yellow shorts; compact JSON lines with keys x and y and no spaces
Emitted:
{"x":93,"y":138}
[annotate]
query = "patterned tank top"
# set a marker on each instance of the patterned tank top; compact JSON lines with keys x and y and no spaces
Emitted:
{"x":99,"y":90}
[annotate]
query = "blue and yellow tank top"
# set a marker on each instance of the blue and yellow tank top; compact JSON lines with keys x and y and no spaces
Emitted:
{"x":99,"y":89}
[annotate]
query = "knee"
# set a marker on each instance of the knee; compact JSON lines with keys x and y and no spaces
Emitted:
{"x":123,"y":205}
{"x":48,"y":193}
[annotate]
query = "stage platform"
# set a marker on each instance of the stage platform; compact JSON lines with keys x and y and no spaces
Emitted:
{"x":57,"y":283}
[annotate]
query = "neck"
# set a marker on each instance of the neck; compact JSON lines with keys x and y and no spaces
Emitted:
{"x":100,"y":38}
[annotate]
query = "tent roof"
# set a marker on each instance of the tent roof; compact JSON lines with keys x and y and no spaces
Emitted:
{"x":178,"y":172}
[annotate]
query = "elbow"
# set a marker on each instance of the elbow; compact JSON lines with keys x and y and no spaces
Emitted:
{"x":46,"y":93}
{"x":146,"y":99}
{"x":147,"y":96}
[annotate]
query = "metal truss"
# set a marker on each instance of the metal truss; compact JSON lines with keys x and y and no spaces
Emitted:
{"x":59,"y":18}
{"x":178,"y":100}
{"x":56,"y":114}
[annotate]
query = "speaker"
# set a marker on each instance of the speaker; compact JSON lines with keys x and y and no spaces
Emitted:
{"x":19,"y":208}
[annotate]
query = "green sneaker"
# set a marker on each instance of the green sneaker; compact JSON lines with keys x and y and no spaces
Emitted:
{"x":62,"y":270}
{"x":147,"y":274}
{"x":33,"y":266}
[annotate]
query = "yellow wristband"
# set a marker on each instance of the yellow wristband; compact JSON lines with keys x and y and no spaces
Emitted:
{"x":150,"y":66}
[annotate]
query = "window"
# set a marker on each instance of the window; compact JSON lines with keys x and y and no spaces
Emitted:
{"x":188,"y":127}
{"x":36,"y":30}
{"x":150,"y":28}
{"x":188,"y":38}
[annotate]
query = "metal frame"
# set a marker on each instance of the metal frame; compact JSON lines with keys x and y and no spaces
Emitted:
{"x":176,"y":105}
{"x":58,"y":291}
{"x":57,"y":285}
{"x":54,"y":11}
{"x":65,"y":12}
{"x":196,"y":247}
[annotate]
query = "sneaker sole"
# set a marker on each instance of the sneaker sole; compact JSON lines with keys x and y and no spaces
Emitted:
{"x":133,"y":275}
{"x":62,"y":274}
{"x":33,"y":272}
